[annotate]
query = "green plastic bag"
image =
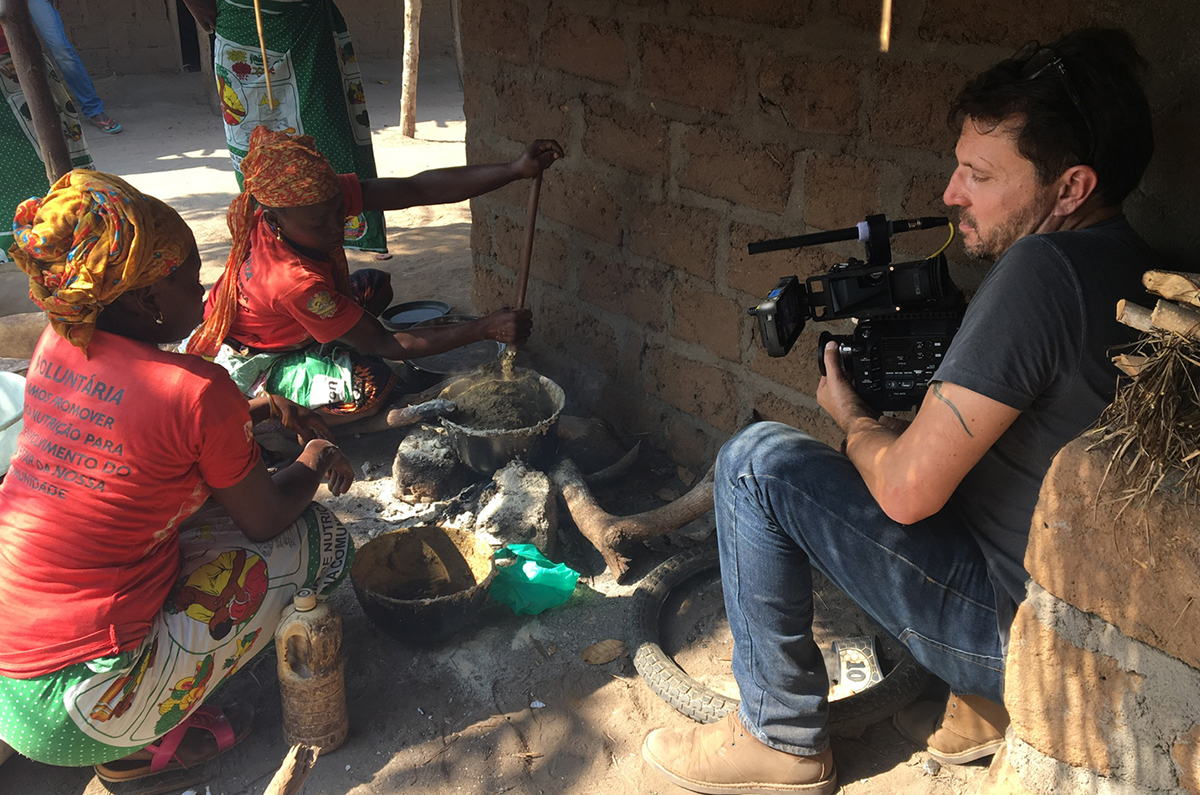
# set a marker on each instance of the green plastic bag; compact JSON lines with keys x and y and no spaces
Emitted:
{"x":531,"y":583}
{"x":314,"y":377}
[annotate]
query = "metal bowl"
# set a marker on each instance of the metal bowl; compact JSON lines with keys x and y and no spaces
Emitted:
{"x":486,"y":450}
{"x":423,"y":584}
{"x":402,"y":316}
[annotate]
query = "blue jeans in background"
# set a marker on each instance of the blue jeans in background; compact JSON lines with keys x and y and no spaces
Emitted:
{"x":785,"y":500}
{"x":50,"y":27}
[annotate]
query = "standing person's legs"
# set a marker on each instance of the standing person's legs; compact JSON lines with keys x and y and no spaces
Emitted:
{"x":785,"y":500}
{"x":50,"y":28}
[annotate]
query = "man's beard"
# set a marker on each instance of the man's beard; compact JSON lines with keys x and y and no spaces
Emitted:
{"x":989,"y":247}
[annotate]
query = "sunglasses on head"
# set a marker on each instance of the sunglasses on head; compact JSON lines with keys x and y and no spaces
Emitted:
{"x":1037,"y":61}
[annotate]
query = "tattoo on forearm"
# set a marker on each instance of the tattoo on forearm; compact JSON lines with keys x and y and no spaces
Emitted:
{"x":937,"y":393}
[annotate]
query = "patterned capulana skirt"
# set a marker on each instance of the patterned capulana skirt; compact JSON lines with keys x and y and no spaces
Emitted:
{"x":223,"y":610}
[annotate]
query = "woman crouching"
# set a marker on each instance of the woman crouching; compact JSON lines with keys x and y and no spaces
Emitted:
{"x":287,"y":315}
{"x":127,"y":599}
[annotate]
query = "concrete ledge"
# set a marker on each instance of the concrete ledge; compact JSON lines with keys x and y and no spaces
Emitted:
{"x":1138,"y":569}
{"x":1094,"y":710}
{"x":1045,"y":775}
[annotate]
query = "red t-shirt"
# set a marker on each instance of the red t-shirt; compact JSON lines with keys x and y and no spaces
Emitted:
{"x":117,"y":450}
{"x":286,"y":299}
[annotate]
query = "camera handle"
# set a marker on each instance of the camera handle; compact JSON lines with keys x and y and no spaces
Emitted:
{"x":844,"y":348}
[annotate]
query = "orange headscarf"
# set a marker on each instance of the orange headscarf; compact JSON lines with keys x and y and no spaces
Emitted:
{"x":278,"y":171}
{"x":91,"y":238}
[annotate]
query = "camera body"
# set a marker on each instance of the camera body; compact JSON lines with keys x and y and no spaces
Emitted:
{"x":907,"y":312}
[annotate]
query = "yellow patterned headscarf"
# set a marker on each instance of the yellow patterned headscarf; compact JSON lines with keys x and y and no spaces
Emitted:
{"x":91,"y":238}
{"x":278,"y":171}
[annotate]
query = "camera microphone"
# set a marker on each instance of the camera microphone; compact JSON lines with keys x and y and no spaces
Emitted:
{"x":862,"y":232}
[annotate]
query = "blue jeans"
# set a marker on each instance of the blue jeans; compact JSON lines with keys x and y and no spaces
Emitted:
{"x":50,"y":27}
{"x":785,"y":500}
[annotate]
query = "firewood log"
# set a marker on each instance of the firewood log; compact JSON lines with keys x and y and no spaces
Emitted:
{"x":1174,"y":286}
{"x":610,"y":534}
{"x":289,"y":779}
{"x":1176,"y":318}
{"x":1134,"y":315}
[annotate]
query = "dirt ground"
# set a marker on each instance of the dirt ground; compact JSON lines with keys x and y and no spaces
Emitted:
{"x":507,"y":705}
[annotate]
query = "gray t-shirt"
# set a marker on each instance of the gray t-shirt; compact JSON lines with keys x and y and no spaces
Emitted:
{"x":1036,"y":337}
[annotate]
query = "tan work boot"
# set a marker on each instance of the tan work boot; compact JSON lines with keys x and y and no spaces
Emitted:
{"x":966,"y":729}
{"x":723,"y":758}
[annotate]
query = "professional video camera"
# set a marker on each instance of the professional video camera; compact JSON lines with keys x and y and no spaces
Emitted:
{"x":907,"y":313}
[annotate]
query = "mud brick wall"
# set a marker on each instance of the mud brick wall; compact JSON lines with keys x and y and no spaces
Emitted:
{"x":124,"y":36}
{"x":693,"y":127}
{"x":1103,"y":670}
{"x":378,"y":28}
{"x":142,"y":36}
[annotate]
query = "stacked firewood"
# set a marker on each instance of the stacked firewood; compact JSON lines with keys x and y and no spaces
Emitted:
{"x":1153,"y":425}
{"x":1173,"y":314}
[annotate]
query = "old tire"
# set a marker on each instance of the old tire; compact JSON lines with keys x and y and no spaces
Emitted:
{"x":847,"y":716}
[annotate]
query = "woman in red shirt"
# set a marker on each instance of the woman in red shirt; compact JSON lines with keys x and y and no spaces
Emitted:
{"x":127,"y":598}
{"x":288,"y":317}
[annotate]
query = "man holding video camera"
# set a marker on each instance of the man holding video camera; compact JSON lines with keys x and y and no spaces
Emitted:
{"x":925,"y":524}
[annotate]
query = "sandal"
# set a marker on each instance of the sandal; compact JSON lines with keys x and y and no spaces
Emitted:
{"x":106,"y":124}
{"x":221,"y":731}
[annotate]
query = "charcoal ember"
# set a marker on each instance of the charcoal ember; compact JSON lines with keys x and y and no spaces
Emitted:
{"x":427,"y":469}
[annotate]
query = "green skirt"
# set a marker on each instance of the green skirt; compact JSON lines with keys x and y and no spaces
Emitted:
{"x":24,"y":174}
{"x":315,"y":82}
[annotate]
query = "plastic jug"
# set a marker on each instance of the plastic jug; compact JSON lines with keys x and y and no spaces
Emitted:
{"x":311,"y":673}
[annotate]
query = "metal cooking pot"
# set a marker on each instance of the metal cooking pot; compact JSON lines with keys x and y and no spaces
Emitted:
{"x":485,"y":451}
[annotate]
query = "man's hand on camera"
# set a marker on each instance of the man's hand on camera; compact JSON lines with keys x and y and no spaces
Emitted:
{"x":836,"y":394}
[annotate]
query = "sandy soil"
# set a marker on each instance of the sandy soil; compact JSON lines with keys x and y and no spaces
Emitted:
{"x":507,"y":705}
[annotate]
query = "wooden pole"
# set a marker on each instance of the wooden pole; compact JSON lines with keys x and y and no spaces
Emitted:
{"x":527,"y":250}
{"x":412,"y":54}
{"x":456,"y":22}
{"x":885,"y":27}
{"x":27,"y":58}
{"x":262,"y":46}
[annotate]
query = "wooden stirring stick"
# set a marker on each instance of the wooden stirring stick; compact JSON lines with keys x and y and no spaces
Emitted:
{"x":527,"y":251}
{"x":509,"y":356}
{"x":262,"y":45}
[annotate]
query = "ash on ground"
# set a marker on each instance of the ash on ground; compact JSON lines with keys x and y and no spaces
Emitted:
{"x":518,"y":495}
